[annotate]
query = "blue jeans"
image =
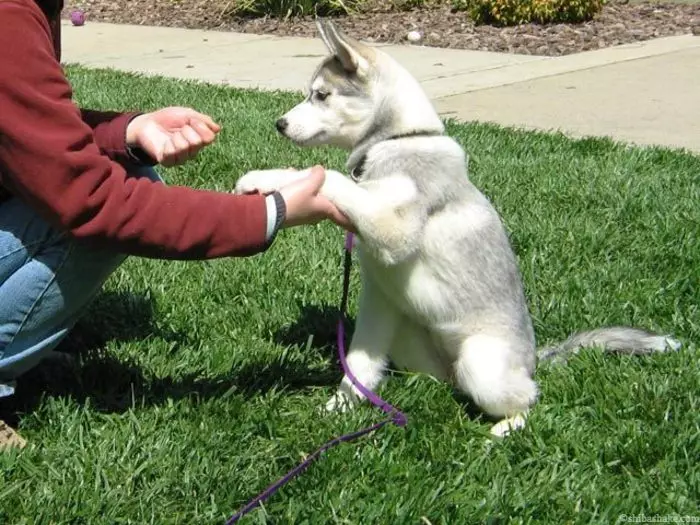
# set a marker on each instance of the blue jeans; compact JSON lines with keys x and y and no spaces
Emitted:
{"x":46,"y":281}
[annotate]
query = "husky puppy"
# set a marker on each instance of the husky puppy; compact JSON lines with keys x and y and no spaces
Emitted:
{"x":441,"y":290}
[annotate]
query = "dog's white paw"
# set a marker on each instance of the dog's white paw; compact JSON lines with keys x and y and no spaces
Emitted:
{"x":266,"y":181}
{"x":340,"y":402}
{"x":672,"y":345}
{"x":506,"y":426}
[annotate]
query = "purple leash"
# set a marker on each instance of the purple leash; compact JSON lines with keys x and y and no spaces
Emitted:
{"x":396,"y":416}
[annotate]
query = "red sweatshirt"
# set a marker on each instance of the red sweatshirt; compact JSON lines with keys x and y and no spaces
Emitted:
{"x":63,"y":162}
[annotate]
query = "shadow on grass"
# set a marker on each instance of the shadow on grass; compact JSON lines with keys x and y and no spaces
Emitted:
{"x":111,"y":385}
{"x":83,"y":372}
{"x":322,"y":322}
{"x":319,"y":321}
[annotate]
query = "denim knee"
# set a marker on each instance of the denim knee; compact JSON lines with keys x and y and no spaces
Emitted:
{"x":46,"y":281}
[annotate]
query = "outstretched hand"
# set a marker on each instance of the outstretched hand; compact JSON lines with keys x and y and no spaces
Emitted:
{"x":172,"y":135}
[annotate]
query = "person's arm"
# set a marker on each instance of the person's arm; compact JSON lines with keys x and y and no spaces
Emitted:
{"x":50,"y":159}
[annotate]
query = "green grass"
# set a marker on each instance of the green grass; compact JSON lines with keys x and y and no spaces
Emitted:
{"x":198,"y":383}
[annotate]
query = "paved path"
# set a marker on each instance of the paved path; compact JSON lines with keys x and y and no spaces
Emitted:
{"x":646,"y":93}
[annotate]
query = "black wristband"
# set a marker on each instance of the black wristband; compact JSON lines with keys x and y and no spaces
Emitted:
{"x":281,"y":211}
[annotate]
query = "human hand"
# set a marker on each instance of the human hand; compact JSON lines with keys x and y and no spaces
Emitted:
{"x":172,"y":135}
{"x":306,"y":206}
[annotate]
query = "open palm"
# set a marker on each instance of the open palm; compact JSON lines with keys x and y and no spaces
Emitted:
{"x":172,"y":135}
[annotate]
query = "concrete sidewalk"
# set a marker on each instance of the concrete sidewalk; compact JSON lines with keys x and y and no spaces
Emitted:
{"x":644,"y":93}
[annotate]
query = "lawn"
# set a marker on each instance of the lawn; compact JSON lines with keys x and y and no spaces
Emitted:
{"x":198,"y":383}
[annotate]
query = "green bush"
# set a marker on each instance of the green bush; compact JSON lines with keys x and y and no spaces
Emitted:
{"x":514,"y":12}
{"x":288,"y":8}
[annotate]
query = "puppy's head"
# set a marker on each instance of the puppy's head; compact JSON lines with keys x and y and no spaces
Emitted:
{"x":341,"y":103}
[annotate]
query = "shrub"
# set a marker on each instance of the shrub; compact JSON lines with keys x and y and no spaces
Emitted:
{"x":514,"y":12}
{"x":288,"y":8}
{"x":407,"y":5}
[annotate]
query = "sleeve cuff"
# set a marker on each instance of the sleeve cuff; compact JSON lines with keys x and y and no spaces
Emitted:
{"x":109,"y":129}
{"x":139,"y":157}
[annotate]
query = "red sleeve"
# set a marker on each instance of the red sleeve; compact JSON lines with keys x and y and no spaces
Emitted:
{"x":50,"y":159}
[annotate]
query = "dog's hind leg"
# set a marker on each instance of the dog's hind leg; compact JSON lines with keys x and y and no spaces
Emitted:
{"x":414,"y":350}
{"x":487,"y":371}
{"x":367,"y":357}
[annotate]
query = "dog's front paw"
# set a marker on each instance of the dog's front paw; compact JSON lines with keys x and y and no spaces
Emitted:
{"x":340,"y":402}
{"x":265,"y":181}
{"x":508,"y":425}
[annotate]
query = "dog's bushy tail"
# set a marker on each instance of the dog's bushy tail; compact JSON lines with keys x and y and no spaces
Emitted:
{"x":616,"y":339}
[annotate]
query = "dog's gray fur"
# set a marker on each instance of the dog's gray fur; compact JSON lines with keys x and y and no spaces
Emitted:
{"x":441,"y":289}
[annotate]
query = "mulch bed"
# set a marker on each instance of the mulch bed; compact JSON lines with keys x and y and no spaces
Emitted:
{"x":618,"y":23}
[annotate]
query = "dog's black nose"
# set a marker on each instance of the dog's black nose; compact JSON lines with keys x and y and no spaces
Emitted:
{"x":281,"y":125}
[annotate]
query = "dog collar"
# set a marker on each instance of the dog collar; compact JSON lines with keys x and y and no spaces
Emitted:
{"x":359,"y":170}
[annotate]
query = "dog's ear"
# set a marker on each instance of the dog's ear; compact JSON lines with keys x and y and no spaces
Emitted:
{"x":322,"y":27}
{"x":345,"y":49}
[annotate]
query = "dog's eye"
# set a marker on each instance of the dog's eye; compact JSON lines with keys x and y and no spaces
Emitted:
{"x":321,"y":95}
